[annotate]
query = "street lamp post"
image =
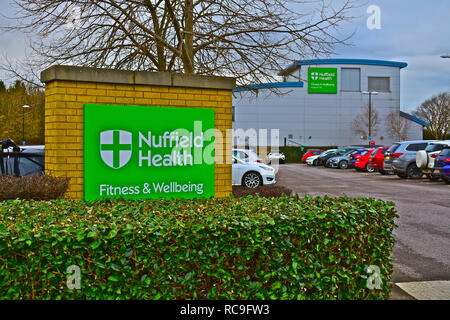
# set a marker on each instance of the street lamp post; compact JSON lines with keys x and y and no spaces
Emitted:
{"x":23,"y":122}
{"x":370,"y":93}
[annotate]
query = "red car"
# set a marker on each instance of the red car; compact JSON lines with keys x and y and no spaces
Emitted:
{"x":376,"y":159}
{"x":362,"y":161}
{"x":310,"y":153}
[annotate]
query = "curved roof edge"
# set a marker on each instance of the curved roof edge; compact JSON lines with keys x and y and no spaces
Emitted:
{"x":298,"y":63}
{"x":269,"y":85}
{"x":414,"y":118}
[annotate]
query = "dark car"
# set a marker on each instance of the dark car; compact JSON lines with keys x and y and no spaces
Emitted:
{"x":442,"y":165}
{"x":21,"y":161}
{"x":322,"y":160}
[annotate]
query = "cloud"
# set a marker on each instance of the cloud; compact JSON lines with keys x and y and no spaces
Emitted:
{"x":411,"y":31}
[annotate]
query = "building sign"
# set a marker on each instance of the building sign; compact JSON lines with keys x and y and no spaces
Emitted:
{"x":322,"y":80}
{"x":148,"y":152}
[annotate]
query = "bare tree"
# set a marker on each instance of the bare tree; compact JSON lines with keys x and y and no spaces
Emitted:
{"x":361,"y":122}
{"x":436,"y":111}
{"x":247,"y":39}
{"x":397,"y":126}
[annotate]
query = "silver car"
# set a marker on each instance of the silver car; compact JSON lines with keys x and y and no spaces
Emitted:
{"x":341,"y":162}
{"x":401,"y":158}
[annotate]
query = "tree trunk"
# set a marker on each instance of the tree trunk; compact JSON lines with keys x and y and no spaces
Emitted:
{"x":188,"y":56}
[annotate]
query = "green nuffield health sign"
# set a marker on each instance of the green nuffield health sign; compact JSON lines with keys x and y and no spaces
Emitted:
{"x":322,"y":80}
{"x":148,"y":152}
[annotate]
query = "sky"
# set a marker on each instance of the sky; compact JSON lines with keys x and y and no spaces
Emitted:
{"x":413,"y":31}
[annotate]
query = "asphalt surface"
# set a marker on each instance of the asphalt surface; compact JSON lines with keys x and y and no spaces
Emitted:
{"x":422,"y":248}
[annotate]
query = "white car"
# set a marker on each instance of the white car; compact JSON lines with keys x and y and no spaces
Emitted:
{"x":425,"y":158}
{"x":246,"y":155}
{"x":275,"y":155}
{"x":251,"y":174}
{"x":310,"y":160}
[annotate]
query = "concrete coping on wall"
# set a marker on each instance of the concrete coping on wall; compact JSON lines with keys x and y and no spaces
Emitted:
{"x":86,"y":74}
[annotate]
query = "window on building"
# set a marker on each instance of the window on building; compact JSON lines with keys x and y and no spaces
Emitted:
{"x":350,"y":79}
{"x":233,"y":113}
{"x":379,"y":84}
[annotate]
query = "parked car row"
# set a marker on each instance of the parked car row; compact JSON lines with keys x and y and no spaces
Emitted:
{"x":406,"y":159}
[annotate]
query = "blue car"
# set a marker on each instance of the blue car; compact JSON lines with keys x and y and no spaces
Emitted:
{"x":442,"y":165}
{"x":352,"y":161}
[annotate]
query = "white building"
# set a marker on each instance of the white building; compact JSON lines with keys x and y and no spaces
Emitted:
{"x":322,"y":98}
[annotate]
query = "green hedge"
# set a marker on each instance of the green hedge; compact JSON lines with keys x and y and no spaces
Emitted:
{"x":248,"y":248}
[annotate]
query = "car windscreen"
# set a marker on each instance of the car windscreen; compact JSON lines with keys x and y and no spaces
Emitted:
{"x":31,"y":165}
{"x":364,"y":152}
{"x":392,"y":148}
{"x":434,"y":147}
{"x":29,"y":162}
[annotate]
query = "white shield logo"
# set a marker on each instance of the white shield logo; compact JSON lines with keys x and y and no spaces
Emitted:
{"x":115,"y":147}
{"x":314,"y":75}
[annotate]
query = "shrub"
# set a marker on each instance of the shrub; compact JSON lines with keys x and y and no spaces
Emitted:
{"x":248,"y":248}
{"x":263,"y":191}
{"x":36,"y":187}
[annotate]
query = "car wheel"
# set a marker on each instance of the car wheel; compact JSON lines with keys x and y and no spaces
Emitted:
{"x":413,"y":172}
{"x":369,"y":169}
{"x":447,"y":180}
{"x":343,"y":165}
{"x":315,"y":162}
{"x":251,"y":180}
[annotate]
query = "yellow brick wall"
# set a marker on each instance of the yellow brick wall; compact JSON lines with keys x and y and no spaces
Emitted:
{"x":64,"y":105}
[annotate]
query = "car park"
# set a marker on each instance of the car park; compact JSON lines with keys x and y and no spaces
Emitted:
{"x":376,"y":159}
{"x":442,"y":165}
{"x":425,"y":158}
{"x":362,"y":161}
{"x":341,"y":162}
{"x":403,"y":159}
{"x":322,"y":159}
{"x":251,"y":174}
{"x":313,"y":160}
{"x":311,"y":152}
{"x":276,"y":156}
